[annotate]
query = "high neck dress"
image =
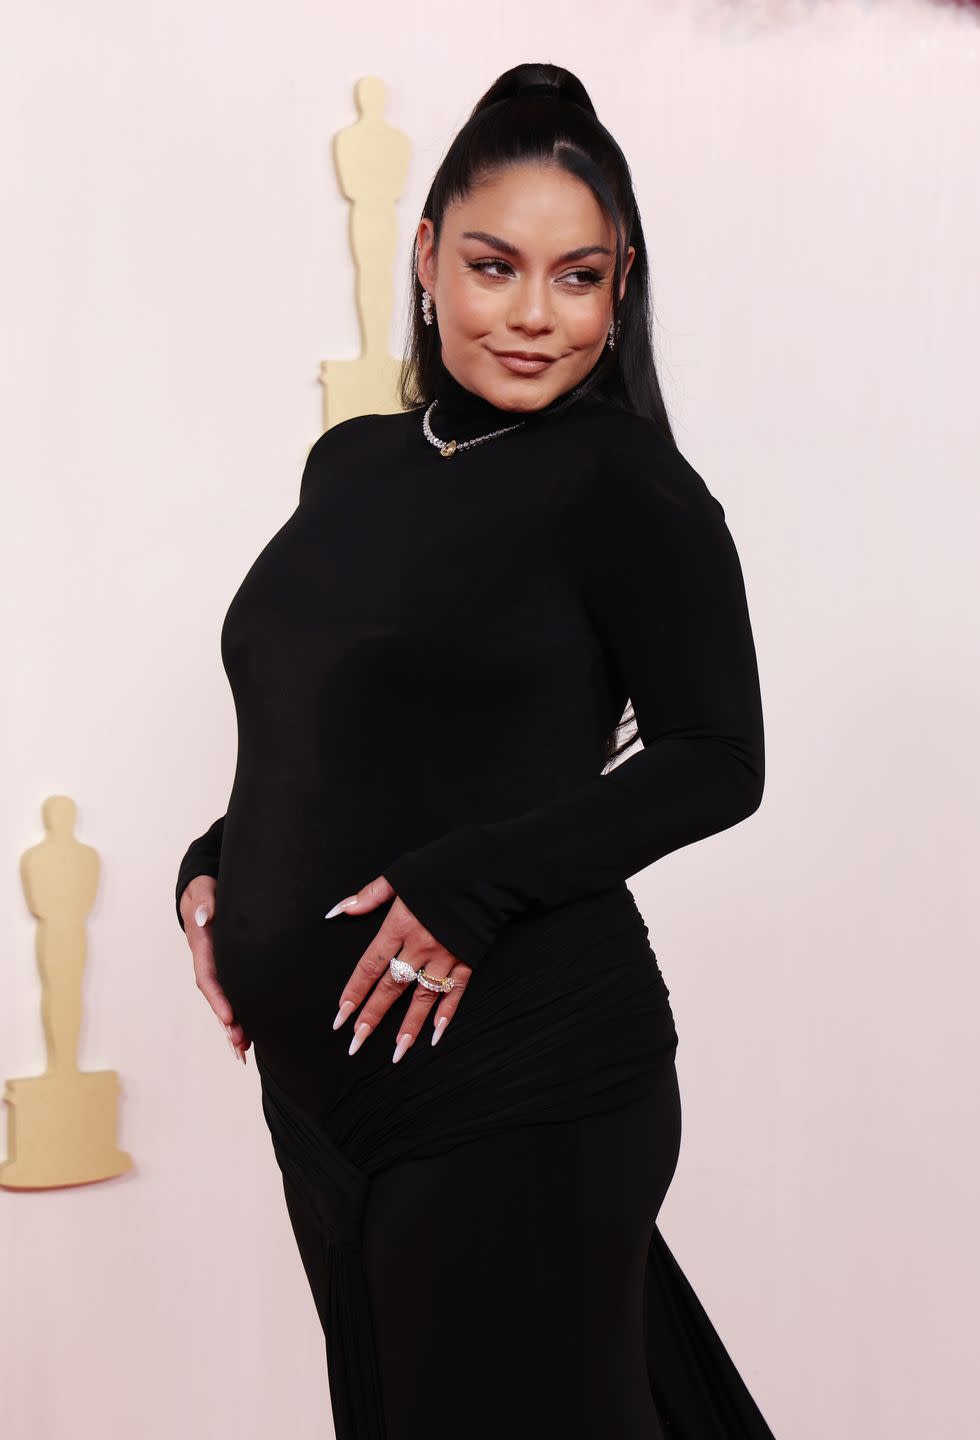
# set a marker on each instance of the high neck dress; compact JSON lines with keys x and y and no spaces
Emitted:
{"x":426,"y":661}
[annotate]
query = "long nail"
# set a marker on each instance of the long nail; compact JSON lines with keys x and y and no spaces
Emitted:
{"x":341,"y":905}
{"x":440,"y":1025}
{"x":343,"y":1013}
{"x":201,"y":915}
{"x":227,"y":1030}
{"x":359,"y":1035}
{"x":403,"y":1043}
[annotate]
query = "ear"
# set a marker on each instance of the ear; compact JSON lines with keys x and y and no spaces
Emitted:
{"x":425,"y":243}
{"x":626,"y":270}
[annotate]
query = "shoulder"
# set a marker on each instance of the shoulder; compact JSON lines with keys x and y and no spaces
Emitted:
{"x":638,"y":473}
{"x":648,"y":513}
{"x":347,"y":440}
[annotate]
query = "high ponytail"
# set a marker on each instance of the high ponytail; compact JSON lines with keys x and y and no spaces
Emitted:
{"x":549,"y":81}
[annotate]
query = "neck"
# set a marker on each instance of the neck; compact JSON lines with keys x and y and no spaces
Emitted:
{"x":462,"y":414}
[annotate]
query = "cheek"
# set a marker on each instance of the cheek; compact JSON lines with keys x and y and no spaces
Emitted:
{"x":471,"y":310}
{"x":587,"y":321}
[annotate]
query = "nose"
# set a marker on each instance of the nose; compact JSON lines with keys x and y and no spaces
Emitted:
{"x":531,"y":310}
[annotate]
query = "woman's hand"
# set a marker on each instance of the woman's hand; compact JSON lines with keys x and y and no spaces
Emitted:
{"x":197,"y":912}
{"x":403,"y":935}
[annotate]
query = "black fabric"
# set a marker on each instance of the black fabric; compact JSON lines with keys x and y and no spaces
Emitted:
{"x":577,"y":1366}
{"x":202,"y":858}
{"x":425,"y":661}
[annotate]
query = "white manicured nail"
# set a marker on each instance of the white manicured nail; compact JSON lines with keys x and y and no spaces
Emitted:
{"x":201,"y":915}
{"x":440,"y":1025}
{"x":359,"y":1035}
{"x":341,"y":905}
{"x":403,"y":1043}
{"x":343,"y":1013}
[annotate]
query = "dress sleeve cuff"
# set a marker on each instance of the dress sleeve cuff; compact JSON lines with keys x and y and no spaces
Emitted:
{"x":447,"y":885}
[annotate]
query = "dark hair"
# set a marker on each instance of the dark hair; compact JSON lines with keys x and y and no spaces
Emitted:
{"x":542,"y":114}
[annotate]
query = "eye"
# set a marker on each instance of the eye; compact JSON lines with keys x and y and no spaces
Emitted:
{"x":587,"y":277}
{"x":580,"y":279}
{"x":484,"y":266}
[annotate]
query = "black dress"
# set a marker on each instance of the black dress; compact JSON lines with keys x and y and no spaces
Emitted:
{"x":425,"y":661}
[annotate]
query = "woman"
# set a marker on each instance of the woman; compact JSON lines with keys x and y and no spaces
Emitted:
{"x":431,"y":662}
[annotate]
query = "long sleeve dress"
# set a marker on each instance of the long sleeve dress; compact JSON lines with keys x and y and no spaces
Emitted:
{"x":426,"y":660}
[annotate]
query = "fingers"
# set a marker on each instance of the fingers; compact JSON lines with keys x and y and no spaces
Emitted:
{"x":430,"y":1002}
{"x":401,"y":934}
{"x":197,"y":902}
{"x":205,"y":973}
{"x":447,"y":1005}
{"x":197,"y":906}
{"x":385,"y":992}
{"x":371,"y":973}
{"x":369,"y":897}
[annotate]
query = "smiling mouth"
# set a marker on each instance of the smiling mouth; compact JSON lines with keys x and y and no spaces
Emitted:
{"x":523,"y":363}
{"x":522,"y":355}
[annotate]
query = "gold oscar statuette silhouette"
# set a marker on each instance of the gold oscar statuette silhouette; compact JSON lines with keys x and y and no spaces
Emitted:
{"x":371,"y":159}
{"x":62,"y":1124}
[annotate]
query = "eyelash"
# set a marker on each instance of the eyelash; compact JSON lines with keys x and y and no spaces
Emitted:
{"x":592,"y":276}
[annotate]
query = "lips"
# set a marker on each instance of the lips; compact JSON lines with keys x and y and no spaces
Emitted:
{"x":523,"y":364}
{"x":522,"y":355}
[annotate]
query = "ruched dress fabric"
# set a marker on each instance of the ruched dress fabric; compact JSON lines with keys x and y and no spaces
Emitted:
{"x":425,"y":661}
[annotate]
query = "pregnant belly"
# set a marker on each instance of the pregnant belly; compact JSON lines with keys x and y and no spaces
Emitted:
{"x":570,"y":1003}
{"x":285,"y":986}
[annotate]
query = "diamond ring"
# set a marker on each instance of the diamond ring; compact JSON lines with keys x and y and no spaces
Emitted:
{"x":401,"y":971}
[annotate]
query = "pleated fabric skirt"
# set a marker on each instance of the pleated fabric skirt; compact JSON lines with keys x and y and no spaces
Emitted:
{"x":479,"y":1232}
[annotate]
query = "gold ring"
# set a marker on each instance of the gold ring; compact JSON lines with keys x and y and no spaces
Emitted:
{"x":434,"y":982}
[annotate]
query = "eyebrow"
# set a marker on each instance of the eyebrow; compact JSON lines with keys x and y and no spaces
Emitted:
{"x":496,"y":243}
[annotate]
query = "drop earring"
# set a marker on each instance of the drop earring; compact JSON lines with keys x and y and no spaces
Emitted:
{"x":611,"y":337}
{"x":426,"y":307}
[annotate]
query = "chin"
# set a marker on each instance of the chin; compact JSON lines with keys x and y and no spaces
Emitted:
{"x":524,"y":392}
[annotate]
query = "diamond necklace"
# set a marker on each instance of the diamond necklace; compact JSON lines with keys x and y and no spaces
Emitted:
{"x":449,"y":447}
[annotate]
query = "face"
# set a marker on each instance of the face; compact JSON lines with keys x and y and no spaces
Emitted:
{"x":524,"y":268}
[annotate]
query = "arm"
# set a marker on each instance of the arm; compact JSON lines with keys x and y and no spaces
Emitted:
{"x":664,"y":587}
{"x":201,"y":858}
